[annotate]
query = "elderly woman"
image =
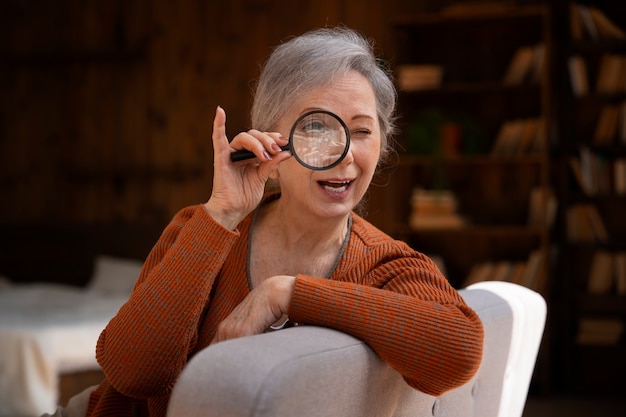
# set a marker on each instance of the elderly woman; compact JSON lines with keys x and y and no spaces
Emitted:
{"x":248,"y":260}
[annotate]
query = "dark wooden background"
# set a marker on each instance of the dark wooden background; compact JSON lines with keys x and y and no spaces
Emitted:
{"x":107,"y":105}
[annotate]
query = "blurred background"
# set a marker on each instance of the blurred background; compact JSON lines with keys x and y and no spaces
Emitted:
{"x":513,"y":117}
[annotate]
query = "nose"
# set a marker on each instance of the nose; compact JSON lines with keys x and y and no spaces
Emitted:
{"x":349,"y":158}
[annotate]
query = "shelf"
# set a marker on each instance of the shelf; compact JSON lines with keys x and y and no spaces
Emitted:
{"x":602,"y":304}
{"x":495,"y":13}
{"x":600,"y":46}
{"x":70,"y":58}
{"x":474,"y":231}
{"x":457,"y":136}
{"x":79,"y":174}
{"x":408,"y":160}
{"x":477,"y":87}
{"x":587,"y":367}
{"x":601,"y":198}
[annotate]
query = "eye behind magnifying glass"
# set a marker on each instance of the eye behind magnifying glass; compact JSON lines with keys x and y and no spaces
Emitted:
{"x":319,"y":140}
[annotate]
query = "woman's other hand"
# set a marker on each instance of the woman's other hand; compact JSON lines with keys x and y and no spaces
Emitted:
{"x":238,"y":187}
{"x":263,"y":307}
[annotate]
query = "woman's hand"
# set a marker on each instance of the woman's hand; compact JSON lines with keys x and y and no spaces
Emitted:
{"x":266,"y":304}
{"x":238,"y":188}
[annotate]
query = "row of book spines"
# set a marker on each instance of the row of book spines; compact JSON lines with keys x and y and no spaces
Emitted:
{"x":611,"y":126}
{"x":439,"y":209}
{"x":603,"y":331}
{"x":607,"y":273}
{"x":525,"y":67}
{"x":584,"y":224}
{"x":596,"y":174}
{"x":589,"y":22}
{"x":611,"y":76}
{"x":527,"y":273}
{"x":521,"y":136}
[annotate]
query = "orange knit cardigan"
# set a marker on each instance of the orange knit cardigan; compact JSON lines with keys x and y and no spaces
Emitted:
{"x":381,"y":291}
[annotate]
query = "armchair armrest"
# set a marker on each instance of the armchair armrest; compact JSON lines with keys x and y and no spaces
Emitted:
{"x":312,"y":371}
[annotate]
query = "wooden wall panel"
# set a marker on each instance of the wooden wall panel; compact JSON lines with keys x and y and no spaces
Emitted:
{"x":107,"y":106}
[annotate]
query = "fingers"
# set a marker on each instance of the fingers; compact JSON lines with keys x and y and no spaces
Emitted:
{"x":263,"y":307}
{"x":220,"y":141}
{"x":264,"y":145}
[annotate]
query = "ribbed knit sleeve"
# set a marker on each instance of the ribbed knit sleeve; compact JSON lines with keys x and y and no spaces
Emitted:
{"x":146,"y":345}
{"x":397,"y":301}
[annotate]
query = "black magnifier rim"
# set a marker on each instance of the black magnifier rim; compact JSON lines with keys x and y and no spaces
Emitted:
{"x":345,"y":150}
{"x":245,"y":154}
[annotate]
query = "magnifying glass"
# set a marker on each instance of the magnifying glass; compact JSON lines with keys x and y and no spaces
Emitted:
{"x":319,"y":140}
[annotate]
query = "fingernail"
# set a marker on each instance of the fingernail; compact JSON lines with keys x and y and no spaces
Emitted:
{"x":267,"y":156}
{"x":275,"y":147}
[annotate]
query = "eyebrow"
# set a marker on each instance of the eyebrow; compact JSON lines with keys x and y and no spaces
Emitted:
{"x":363,"y":116}
{"x":355,"y":117}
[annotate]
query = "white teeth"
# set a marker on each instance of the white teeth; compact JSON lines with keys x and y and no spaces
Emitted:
{"x":335,"y":186}
{"x":335,"y":189}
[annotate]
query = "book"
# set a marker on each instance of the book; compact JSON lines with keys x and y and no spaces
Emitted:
{"x":607,"y":126}
{"x":578,"y":75}
{"x":621,"y":134}
{"x":593,"y":171}
{"x":576,"y":24}
{"x":619,"y":176}
{"x":528,"y":137}
{"x":620,"y":273}
{"x":584,"y":224}
{"x":540,"y":142}
{"x":605,"y":27}
{"x":588,"y":171}
{"x":590,"y":22}
{"x":542,"y":207}
{"x":480,"y":272}
{"x":518,"y":272}
{"x":442,"y":221}
{"x":528,"y":273}
{"x":578,"y":228}
{"x":433,"y":201}
{"x":580,"y":178}
{"x":533,"y":274}
{"x":508,"y":135}
{"x":611,"y":74}
{"x":599,"y":331}
{"x":520,"y":66}
{"x":537,"y":69}
{"x":589,"y":26}
{"x":434,"y":209}
{"x":419,"y":77}
{"x":597,"y":224}
{"x":519,"y":137}
{"x":501,"y":271}
{"x":601,"y":273}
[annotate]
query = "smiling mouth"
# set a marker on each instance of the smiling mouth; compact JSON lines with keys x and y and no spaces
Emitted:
{"x":335,"y":186}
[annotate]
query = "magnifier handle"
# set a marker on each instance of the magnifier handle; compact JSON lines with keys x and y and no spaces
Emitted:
{"x":244,"y":155}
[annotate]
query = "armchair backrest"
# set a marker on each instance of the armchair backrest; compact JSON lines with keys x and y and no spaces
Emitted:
{"x":313,"y":372}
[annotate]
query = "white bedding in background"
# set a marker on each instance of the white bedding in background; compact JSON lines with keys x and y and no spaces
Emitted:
{"x":47,"y":330}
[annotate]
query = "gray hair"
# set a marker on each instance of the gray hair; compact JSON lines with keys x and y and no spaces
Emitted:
{"x":315,"y":59}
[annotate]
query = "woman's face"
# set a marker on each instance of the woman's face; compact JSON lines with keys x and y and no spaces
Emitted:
{"x":335,"y":192}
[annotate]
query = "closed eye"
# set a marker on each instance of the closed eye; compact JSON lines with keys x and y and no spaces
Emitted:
{"x":362,"y":133}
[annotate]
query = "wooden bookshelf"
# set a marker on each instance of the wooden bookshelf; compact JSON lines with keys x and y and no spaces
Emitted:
{"x":590,"y":341}
{"x":474,"y":48}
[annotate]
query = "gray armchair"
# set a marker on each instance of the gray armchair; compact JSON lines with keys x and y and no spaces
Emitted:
{"x":311,"y":371}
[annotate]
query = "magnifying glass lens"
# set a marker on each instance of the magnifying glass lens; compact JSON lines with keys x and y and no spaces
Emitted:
{"x":319,"y":140}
